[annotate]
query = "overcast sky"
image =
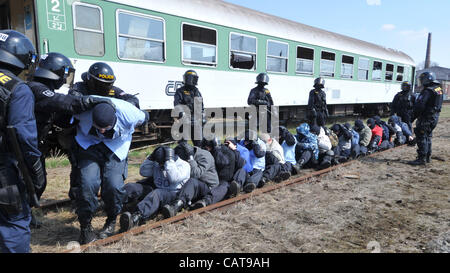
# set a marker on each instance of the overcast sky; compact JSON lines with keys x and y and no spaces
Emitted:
{"x":398,"y":24}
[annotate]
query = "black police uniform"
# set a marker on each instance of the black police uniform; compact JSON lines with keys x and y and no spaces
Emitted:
{"x":261,"y":96}
{"x":186,"y":95}
{"x":82,"y":89}
{"x":53,"y":108}
{"x":402,"y":105}
{"x":427,"y":110}
{"x":317,"y":107}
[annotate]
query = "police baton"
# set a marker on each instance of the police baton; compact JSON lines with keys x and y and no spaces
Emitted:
{"x":12,"y":137}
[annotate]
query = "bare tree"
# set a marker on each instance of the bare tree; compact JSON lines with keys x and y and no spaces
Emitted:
{"x":421,"y":65}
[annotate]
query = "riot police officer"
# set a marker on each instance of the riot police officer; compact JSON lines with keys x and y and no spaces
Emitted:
{"x":17,"y":55}
{"x":317,"y":111}
{"x":426,"y":110}
{"x":51,"y":108}
{"x":403,"y":103}
{"x":187,"y":95}
{"x":260,"y":95}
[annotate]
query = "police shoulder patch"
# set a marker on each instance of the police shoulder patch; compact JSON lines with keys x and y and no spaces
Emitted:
{"x":48,"y":93}
{"x":438,"y":90}
{"x":112,"y":92}
{"x":267,"y":91}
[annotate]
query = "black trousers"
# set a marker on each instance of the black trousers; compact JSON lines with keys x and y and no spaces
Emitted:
{"x":193,"y":191}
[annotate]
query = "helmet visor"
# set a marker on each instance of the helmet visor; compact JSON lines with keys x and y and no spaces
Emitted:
{"x":69,"y":77}
{"x":30,"y":69}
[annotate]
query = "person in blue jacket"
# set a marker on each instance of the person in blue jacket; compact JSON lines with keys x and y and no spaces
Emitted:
{"x":307,"y":150}
{"x":17,"y":55}
{"x":104,"y":137}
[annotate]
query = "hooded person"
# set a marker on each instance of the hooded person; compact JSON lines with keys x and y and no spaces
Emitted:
{"x":377,"y":135}
{"x":356,"y":148}
{"x":403,"y":134}
{"x":203,"y":179}
{"x":165,"y":174}
{"x":343,"y":150}
{"x":326,"y":153}
{"x":388,"y":133}
{"x":307,"y":150}
{"x":103,"y":140}
{"x":365,"y":135}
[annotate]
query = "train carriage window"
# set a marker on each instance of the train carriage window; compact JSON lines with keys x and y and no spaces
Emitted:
{"x":389,"y":72}
{"x":377,"y":70}
{"x":407,"y":75}
{"x":347,"y":67}
{"x":88,"y":29}
{"x":199,"y":45}
{"x":242,"y":51}
{"x":140,"y":37}
{"x":400,"y":71}
{"x":305,"y":60}
{"x":327,"y":64}
{"x":363,"y":69}
{"x":277,"y":57}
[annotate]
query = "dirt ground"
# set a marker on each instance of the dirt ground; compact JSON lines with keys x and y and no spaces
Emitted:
{"x":391,"y":207}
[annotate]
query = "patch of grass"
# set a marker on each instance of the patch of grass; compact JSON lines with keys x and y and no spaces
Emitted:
{"x":445,"y":113}
{"x":57,"y":159}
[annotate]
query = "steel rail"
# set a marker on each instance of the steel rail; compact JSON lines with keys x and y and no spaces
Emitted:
{"x":226,"y":203}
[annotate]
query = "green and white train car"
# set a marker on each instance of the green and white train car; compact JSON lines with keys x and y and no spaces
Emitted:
{"x":151,"y":43}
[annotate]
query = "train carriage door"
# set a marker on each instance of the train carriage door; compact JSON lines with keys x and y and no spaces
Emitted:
{"x":19,"y":15}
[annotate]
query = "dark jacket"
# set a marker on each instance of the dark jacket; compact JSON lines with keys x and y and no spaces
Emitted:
{"x":186,"y":95}
{"x":429,"y":104}
{"x":317,"y":101}
{"x":227,"y":162}
{"x":260,"y":96}
{"x":402,"y":105}
{"x":203,"y":167}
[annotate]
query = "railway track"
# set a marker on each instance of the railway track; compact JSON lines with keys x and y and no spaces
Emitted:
{"x":302,"y":179}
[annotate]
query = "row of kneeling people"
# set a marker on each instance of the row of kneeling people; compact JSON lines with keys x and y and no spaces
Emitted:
{"x":190,"y":177}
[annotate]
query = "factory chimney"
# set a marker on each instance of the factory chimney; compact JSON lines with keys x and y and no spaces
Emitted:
{"x":428,"y":57}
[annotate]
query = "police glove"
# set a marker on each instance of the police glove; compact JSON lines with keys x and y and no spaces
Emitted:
{"x":38,"y":174}
{"x":169,"y":154}
{"x":89,"y":102}
{"x":261,"y":102}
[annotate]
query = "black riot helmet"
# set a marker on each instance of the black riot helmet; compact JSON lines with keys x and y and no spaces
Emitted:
{"x":190,"y":78}
{"x":319,"y":83}
{"x":100,"y":78}
{"x":55,"y":67}
{"x":262,"y":78}
{"x":406,"y":86}
{"x":427,"y":78}
{"x":17,"y":52}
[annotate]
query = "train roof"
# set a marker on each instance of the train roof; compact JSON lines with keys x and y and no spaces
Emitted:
{"x":231,"y":15}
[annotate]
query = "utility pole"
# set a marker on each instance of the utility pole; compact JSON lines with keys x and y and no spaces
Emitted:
{"x":428,"y":57}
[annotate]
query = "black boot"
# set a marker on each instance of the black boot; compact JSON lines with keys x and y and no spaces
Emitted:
{"x":129,"y":221}
{"x":418,"y":162}
{"x":234,"y":189}
{"x":199,"y":204}
{"x":109,"y":228}
{"x":87,"y":234}
{"x":171,"y":210}
{"x":263,"y":182}
{"x":249,"y":187}
{"x":428,"y":159}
